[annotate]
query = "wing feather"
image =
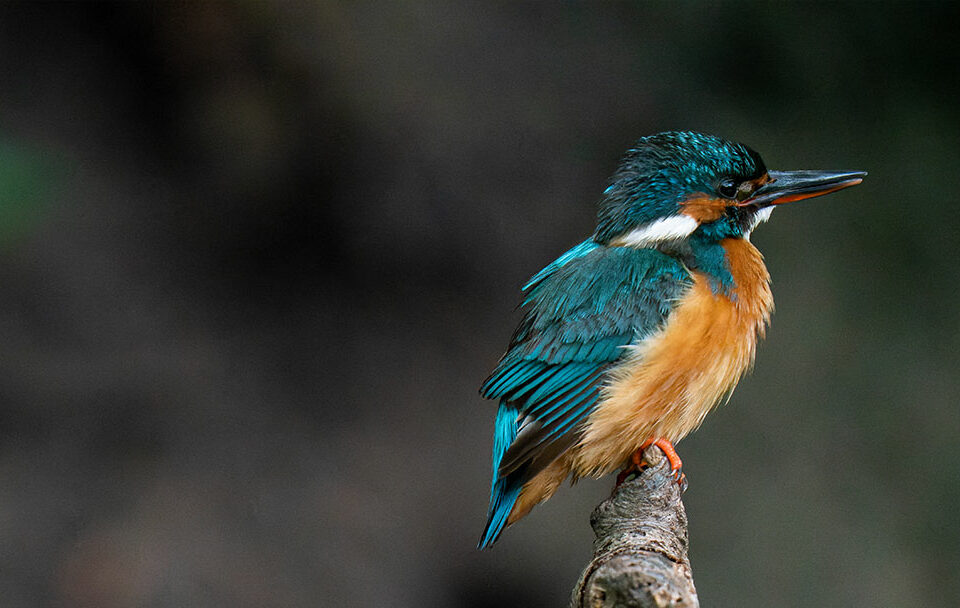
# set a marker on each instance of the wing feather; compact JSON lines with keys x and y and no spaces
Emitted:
{"x":581,"y":311}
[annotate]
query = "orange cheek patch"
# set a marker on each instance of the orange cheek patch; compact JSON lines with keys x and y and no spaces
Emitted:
{"x":705,"y":208}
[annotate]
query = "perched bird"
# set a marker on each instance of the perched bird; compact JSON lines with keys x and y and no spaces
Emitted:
{"x":632,"y":336}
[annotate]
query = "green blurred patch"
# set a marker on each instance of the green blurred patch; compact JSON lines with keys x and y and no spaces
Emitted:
{"x":27,"y":178}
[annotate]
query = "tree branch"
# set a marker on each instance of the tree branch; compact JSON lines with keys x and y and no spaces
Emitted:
{"x":640,"y":553}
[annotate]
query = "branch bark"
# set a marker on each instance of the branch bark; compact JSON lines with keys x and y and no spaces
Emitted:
{"x":640,"y":553}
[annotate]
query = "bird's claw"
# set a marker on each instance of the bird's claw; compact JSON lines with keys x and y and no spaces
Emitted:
{"x":638,"y":463}
{"x":625,"y":475}
{"x":681,"y":479}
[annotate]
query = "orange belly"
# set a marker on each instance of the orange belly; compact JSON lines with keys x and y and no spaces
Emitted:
{"x":670,"y":380}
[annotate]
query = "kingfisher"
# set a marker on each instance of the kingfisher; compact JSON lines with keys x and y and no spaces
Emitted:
{"x":631,"y":337}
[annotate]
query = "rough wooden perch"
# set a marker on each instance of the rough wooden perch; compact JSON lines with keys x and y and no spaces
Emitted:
{"x":640,"y":554}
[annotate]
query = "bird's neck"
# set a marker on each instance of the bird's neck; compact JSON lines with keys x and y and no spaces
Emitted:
{"x":733,"y":266}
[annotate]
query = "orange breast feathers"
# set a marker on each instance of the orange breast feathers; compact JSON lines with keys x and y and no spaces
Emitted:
{"x":669,"y":381}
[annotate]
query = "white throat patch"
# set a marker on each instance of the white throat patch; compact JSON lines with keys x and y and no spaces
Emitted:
{"x":665,"y":229}
{"x":760,"y":217}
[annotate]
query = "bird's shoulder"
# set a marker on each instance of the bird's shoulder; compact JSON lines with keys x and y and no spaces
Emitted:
{"x":581,"y":309}
{"x":590,"y":277}
{"x":594,"y":292}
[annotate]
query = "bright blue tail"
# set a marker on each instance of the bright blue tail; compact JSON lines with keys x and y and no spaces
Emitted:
{"x":503,"y":491}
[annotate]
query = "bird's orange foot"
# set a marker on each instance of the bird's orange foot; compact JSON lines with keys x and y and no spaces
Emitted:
{"x":639,"y":463}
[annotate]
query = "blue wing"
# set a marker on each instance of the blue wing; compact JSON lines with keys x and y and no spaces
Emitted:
{"x":581,"y":310}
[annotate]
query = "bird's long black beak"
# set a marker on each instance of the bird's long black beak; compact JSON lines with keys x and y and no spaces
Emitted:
{"x":788,"y":186}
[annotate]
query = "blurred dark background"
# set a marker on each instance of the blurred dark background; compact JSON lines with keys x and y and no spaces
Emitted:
{"x":255,"y":260}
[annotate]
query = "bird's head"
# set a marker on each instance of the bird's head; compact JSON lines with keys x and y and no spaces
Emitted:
{"x":672,"y":185}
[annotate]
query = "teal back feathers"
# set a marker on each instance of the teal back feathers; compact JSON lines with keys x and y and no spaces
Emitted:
{"x":581,"y":311}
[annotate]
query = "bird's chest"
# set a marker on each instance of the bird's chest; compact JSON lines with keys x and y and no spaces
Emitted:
{"x":668,"y":382}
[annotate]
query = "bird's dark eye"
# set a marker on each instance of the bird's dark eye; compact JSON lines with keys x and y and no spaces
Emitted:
{"x":727,"y":188}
